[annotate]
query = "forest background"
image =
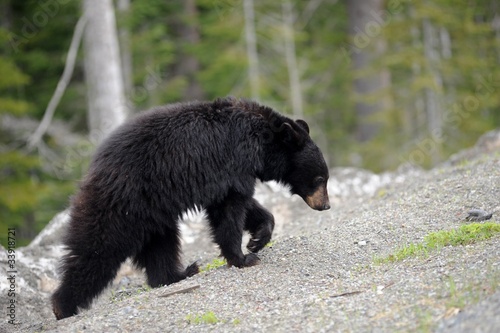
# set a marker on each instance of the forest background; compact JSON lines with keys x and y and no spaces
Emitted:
{"x":381,"y":83}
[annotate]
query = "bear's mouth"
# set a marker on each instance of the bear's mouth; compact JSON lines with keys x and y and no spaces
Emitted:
{"x":319,"y":199}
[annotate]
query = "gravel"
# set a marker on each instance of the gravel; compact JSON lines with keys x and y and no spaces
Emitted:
{"x":319,"y":274}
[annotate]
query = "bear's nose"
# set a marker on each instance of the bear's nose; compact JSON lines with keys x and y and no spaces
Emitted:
{"x":324,"y":206}
{"x":319,"y":200}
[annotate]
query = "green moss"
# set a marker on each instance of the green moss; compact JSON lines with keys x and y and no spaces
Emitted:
{"x":206,"y":318}
{"x":216,"y":263}
{"x":466,"y":234}
{"x":270,"y":244}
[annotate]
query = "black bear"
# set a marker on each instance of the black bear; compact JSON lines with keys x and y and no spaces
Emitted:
{"x":168,"y":160}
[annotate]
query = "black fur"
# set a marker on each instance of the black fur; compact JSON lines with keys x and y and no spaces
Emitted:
{"x":171,"y":159}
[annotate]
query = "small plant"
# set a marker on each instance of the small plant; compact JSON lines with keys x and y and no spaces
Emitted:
{"x":466,"y":234}
{"x":124,"y":293}
{"x":270,"y":244}
{"x":216,"y":263}
{"x":425,"y":320}
{"x":381,"y":193}
{"x":143,"y":288}
{"x":457,"y":299}
{"x":206,"y":318}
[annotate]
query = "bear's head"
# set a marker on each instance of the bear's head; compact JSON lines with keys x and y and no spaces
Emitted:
{"x":307,"y":173}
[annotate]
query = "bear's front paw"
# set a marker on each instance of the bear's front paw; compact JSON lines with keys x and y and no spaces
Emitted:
{"x":256,"y":244}
{"x":260,"y":239}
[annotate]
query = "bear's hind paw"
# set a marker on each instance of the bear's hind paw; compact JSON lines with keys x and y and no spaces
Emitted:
{"x":248,"y":260}
{"x":251,"y":259}
{"x":192,"y":269}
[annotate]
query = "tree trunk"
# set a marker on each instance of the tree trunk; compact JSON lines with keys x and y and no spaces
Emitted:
{"x":495,"y":25}
{"x":189,"y":65}
{"x":251,"y":41}
{"x":365,"y":27}
{"x":432,"y":101}
{"x":123,"y":8}
{"x":5,"y":15}
{"x":416,"y":119}
{"x":291,"y":60}
{"x":105,"y":92}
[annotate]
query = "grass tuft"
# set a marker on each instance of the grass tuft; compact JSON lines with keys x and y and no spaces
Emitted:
{"x":270,"y":244}
{"x":206,"y":318}
{"x":216,"y":263}
{"x":466,"y":234}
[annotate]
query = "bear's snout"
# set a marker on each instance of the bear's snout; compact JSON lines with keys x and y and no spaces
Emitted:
{"x":319,"y":199}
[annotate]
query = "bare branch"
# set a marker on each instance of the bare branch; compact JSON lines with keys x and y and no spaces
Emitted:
{"x":180,"y":290}
{"x":61,"y":85}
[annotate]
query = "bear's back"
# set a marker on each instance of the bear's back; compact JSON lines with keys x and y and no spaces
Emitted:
{"x":195,"y":150}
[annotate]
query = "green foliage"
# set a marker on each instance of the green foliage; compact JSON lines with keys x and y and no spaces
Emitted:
{"x":44,"y":35}
{"x":271,"y":243}
{"x":31,"y":52}
{"x":216,"y":263}
{"x":466,"y":234}
{"x":430,"y":60}
{"x":29,"y":197}
{"x":206,"y":318}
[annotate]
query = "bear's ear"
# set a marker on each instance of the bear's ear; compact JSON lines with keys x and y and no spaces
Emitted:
{"x":290,"y":136}
{"x":303,"y":124}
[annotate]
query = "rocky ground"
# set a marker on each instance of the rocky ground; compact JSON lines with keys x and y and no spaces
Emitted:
{"x":320,"y":274}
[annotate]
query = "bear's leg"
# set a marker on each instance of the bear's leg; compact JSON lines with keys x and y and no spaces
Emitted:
{"x":84,"y":276}
{"x":227,"y":220}
{"x":161,"y":259}
{"x":260,"y":223}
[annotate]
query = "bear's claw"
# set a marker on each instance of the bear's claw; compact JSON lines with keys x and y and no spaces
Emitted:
{"x":253,"y":245}
{"x":256,"y":244}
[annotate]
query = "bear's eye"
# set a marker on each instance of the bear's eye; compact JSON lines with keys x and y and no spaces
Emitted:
{"x":318,"y":180}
